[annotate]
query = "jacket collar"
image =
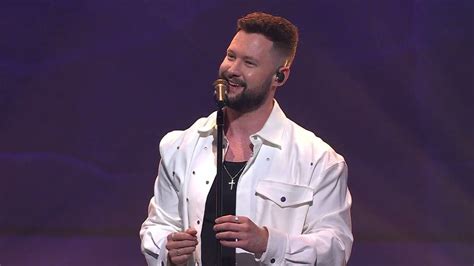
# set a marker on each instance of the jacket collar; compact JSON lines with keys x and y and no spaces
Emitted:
{"x":271,"y":132}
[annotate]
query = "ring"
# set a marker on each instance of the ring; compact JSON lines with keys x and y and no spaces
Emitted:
{"x":236,"y":219}
{"x":177,"y":252}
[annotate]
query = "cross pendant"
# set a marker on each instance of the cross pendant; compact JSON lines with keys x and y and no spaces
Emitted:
{"x":231,"y":183}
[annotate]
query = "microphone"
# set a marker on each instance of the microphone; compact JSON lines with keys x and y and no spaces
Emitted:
{"x":220,"y":92}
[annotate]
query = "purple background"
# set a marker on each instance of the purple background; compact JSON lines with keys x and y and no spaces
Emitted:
{"x":88,"y":88}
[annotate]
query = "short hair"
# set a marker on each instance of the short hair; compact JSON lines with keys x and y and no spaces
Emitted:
{"x":279,"y":30}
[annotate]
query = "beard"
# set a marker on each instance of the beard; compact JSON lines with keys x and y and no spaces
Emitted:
{"x":248,"y":100}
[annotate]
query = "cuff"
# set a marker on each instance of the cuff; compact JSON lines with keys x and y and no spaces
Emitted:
{"x":276,"y":248}
{"x":163,"y":255}
{"x":155,"y":253}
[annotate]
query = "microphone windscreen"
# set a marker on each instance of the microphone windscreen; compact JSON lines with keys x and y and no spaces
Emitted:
{"x":220,"y":86}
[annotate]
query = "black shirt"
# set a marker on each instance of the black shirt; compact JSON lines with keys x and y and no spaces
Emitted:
{"x":208,"y":236}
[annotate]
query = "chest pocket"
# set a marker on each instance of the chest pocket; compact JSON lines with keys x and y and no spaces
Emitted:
{"x":282,"y":205}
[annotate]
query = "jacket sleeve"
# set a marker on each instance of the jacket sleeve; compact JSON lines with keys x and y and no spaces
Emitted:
{"x":163,"y":216}
{"x":327,"y":238}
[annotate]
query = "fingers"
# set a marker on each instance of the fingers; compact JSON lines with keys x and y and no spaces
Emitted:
{"x":179,"y":252}
{"x":191,"y":231}
{"x":233,"y":244}
{"x":232,"y":223}
{"x":179,"y":236}
{"x":230,"y":229}
{"x":231,"y":219}
{"x":179,"y":240}
{"x":181,"y":245}
{"x":180,"y":256}
{"x":229,"y":236}
{"x":241,"y":232}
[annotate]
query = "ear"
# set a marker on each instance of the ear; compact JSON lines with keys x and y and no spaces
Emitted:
{"x":281,"y":76}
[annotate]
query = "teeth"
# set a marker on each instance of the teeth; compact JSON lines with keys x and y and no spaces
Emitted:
{"x":234,"y":84}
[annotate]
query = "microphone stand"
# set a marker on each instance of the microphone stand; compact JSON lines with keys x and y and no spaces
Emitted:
{"x":220,"y":86}
{"x":219,"y":176}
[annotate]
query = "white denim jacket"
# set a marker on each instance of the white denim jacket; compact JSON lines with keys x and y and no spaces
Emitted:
{"x":294,"y":184}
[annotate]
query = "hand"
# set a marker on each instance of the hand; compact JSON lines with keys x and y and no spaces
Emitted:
{"x":241,"y":232}
{"x":181,"y":245}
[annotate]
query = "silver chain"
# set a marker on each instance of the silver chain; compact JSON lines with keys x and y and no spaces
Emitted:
{"x":232,"y":183}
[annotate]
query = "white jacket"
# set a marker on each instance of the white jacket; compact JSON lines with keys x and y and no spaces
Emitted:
{"x":294,"y":184}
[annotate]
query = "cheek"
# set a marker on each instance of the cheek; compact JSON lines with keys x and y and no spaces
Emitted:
{"x":224,"y":66}
{"x":255,"y":77}
{"x":251,"y":75}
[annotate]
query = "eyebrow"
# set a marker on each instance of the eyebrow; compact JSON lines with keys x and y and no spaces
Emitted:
{"x":253,"y":59}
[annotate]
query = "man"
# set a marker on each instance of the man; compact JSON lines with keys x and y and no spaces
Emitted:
{"x":286,"y":201}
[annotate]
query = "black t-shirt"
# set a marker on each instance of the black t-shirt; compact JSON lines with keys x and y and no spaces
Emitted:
{"x":208,"y":236}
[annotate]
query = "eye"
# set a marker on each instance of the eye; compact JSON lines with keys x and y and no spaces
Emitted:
{"x":230,"y":56}
{"x":250,"y":63}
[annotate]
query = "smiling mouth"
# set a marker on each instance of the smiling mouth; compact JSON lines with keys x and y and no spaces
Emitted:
{"x":234,"y":88}
{"x":235,"y":84}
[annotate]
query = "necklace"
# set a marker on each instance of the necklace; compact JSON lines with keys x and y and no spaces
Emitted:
{"x":232,"y":177}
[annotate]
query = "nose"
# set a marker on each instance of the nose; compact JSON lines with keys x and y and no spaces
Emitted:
{"x":232,"y":68}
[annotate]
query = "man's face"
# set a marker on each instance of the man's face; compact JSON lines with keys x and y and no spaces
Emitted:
{"x":249,"y":67}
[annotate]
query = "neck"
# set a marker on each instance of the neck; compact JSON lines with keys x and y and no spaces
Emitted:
{"x":239,"y":128}
{"x":242,"y":125}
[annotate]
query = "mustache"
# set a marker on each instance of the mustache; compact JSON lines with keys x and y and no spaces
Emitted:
{"x":233,"y":80}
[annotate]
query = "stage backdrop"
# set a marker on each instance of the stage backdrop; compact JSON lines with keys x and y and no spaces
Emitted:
{"x":88,"y":88}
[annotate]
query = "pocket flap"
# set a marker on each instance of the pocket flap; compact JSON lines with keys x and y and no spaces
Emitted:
{"x":284,"y":194}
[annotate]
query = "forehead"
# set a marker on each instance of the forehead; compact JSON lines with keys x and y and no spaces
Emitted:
{"x":251,"y":45}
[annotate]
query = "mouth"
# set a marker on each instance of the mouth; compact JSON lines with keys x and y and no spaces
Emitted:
{"x":236,"y":84}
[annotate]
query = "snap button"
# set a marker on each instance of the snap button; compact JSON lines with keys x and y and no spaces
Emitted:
{"x":283,"y":199}
{"x":177,"y":148}
{"x":194,"y":173}
{"x":272,"y":260}
{"x":207,"y":182}
{"x":198,"y":222}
